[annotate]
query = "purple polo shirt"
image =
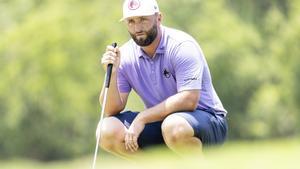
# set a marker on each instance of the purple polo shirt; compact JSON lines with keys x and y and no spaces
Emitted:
{"x":178,"y":65}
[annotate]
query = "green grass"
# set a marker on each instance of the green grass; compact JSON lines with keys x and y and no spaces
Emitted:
{"x":279,"y":154}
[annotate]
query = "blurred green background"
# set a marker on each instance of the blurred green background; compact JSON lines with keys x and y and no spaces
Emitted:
{"x":51,"y":77}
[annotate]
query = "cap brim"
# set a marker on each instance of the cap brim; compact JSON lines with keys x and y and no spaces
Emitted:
{"x":122,"y":19}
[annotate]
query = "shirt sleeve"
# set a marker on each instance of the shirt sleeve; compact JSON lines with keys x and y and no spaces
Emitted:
{"x":122,"y":81}
{"x":189,"y":65}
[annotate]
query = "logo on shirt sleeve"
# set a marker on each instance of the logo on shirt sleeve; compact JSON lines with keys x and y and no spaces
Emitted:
{"x":191,"y":79}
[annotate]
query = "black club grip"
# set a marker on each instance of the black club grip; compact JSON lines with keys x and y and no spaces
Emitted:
{"x":109,"y":70}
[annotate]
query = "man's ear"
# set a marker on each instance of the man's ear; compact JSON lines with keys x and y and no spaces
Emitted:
{"x":159,"y":18}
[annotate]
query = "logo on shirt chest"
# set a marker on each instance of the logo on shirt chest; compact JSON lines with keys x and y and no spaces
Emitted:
{"x":166,"y":73}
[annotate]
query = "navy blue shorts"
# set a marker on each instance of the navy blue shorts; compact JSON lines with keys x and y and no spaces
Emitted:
{"x":209,"y":127}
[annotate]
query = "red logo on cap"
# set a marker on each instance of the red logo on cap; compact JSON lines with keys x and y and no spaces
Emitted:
{"x":133,"y":4}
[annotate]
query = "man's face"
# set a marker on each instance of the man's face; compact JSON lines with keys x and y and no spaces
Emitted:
{"x":143,"y":30}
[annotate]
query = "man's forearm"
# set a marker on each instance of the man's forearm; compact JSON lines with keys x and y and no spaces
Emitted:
{"x":183,"y":101}
{"x":114,"y":102}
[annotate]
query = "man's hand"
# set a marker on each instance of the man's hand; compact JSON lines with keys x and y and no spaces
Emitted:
{"x":111,"y":55}
{"x":132,"y":134}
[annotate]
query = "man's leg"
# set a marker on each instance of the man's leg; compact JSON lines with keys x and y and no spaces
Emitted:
{"x":112,"y":137}
{"x":113,"y":133}
{"x":179,"y":135}
{"x":186,"y":131}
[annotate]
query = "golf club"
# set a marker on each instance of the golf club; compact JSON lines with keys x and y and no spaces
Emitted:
{"x":107,"y":82}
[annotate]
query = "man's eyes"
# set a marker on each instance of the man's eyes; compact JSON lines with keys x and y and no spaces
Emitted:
{"x":131,"y":21}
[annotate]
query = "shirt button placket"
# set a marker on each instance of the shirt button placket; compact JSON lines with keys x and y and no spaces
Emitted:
{"x":153,"y":72}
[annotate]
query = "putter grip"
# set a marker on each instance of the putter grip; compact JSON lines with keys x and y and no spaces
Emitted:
{"x":109,"y":70}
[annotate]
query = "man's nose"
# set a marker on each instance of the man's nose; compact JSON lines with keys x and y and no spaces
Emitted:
{"x":138,"y":27}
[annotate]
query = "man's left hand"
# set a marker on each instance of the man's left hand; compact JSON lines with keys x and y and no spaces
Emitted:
{"x":132,"y":134}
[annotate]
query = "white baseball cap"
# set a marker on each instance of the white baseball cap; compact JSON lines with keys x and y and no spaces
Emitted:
{"x":139,"y":8}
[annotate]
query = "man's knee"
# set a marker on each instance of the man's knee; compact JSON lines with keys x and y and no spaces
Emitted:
{"x":110,"y":133}
{"x":175,"y":129}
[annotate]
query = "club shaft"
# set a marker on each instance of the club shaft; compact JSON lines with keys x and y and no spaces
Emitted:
{"x":100,"y":126}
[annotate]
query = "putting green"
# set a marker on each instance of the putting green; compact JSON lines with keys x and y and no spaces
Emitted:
{"x":277,"y":154}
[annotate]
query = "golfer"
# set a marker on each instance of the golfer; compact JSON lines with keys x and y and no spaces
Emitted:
{"x":167,"y":69}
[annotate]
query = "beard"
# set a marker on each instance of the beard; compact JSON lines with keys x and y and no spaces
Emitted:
{"x":150,"y":37}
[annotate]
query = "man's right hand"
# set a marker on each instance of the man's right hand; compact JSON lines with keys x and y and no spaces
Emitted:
{"x":112,"y":55}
